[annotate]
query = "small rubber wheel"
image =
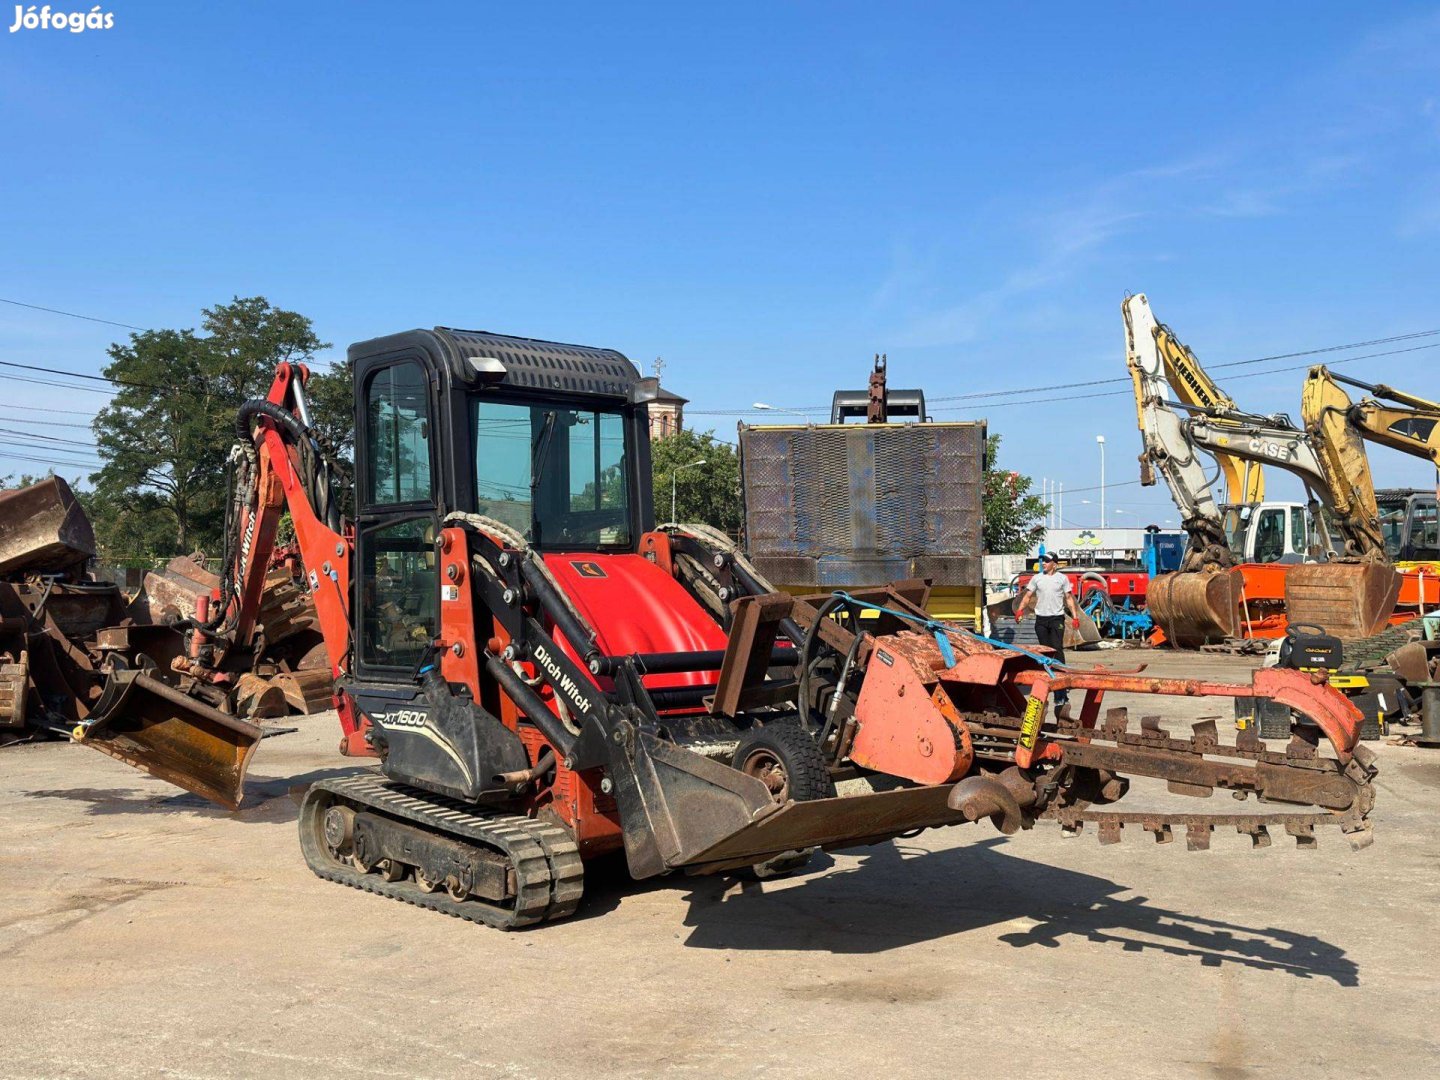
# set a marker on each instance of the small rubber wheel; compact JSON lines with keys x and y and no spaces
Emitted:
{"x":786,"y":760}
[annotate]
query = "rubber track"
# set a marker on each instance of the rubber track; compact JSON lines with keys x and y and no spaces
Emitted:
{"x":1373,"y":650}
{"x":545,"y":858}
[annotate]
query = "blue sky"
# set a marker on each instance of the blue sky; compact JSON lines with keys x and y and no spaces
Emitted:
{"x":764,"y":194}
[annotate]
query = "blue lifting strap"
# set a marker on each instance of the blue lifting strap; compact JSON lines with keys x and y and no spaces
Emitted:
{"x":941,"y":632}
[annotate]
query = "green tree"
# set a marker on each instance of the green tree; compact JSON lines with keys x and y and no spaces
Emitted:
{"x":708,"y":493}
{"x":1014,"y":519}
{"x":166,"y":433}
{"x":331,"y":394}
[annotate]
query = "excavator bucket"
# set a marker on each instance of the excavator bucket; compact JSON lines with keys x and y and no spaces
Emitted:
{"x":1196,"y":608}
{"x":154,"y":727}
{"x":1351,"y":600}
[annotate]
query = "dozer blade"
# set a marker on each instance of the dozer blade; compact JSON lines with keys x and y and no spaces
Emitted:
{"x":154,"y":727}
{"x":1349,"y":600}
{"x":1195,"y":608}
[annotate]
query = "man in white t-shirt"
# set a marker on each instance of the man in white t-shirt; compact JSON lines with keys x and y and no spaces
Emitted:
{"x":1053,"y":597}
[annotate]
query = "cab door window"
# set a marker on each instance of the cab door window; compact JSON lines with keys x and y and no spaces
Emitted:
{"x":397,"y":428}
{"x":400,"y":584}
{"x":1299,"y":531}
{"x":1270,"y":535}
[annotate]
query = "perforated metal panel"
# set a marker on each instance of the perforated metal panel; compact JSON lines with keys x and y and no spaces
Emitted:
{"x":861,"y":504}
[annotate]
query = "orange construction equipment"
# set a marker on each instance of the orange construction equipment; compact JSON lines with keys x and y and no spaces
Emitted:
{"x":533,"y":674}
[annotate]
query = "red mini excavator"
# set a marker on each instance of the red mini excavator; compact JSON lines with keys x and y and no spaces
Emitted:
{"x":542,"y":676}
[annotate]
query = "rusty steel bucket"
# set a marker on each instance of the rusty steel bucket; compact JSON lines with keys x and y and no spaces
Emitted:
{"x":1348,"y":599}
{"x":1196,"y":608}
{"x":154,"y":727}
{"x":43,"y":526}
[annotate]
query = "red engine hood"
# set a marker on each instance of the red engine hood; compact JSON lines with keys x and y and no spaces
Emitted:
{"x":636,"y":607}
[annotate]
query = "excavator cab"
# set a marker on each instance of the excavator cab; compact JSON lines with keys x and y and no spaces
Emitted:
{"x":1410,"y":522}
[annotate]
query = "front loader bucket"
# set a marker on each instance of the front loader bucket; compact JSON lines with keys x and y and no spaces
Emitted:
{"x":1196,"y":608}
{"x":1351,"y":600}
{"x":684,"y":811}
{"x":154,"y":727}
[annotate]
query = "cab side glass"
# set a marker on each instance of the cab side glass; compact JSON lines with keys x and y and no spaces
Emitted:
{"x":401,"y":583}
{"x":397,"y":454}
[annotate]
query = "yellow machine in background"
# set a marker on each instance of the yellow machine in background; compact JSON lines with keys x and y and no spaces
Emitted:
{"x":1351,"y":593}
{"x":1407,"y":522}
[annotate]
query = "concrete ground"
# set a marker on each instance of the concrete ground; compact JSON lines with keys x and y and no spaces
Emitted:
{"x":145,"y":933}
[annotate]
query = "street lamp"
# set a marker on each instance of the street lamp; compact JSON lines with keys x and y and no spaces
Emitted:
{"x":674,"y":484}
{"x":1100,"y":439}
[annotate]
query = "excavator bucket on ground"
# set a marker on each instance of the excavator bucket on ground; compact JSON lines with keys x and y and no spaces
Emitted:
{"x":156,"y":728}
{"x":1351,"y":600}
{"x":1196,"y":608}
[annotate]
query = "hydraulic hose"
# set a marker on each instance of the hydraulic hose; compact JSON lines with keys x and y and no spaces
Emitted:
{"x":532,"y":705}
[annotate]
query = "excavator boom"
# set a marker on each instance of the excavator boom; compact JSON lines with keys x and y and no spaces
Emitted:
{"x":1244,"y":478}
{"x":1199,"y":603}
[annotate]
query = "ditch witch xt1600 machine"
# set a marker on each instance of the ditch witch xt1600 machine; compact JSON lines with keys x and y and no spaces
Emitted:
{"x":546,"y":676}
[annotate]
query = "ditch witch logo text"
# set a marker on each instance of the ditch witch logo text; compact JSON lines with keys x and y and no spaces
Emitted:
{"x":77,"y":22}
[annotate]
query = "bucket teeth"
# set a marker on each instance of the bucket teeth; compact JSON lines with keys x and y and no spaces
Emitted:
{"x":1206,"y":735}
{"x":1304,"y":834}
{"x":1072,"y":828}
{"x":1161,"y":831}
{"x":1110,"y":832}
{"x":1259,"y":835}
{"x":1117,"y":721}
{"x":1150,"y":725}
{"x":1197,"y":836}
{"x":1248,"y":739}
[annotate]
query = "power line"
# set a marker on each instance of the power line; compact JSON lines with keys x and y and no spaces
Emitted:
{"x":52,"y":382}
{"x":81,"y":375}
{"x":84,"y":466}
{"x":985,"y":394}
{"x":68,"y":412}
{"x":90,"y":444}
{"x":11,"y":419}
{"x":70,"y":314}
{"x":1127,"y":393}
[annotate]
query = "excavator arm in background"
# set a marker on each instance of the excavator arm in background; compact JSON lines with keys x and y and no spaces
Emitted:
{"x":1387,"y":416}
{"x":1244,"y":479}
{"x":1351,"y":598}
{"x":1199,"y":603}
{"x":1166,"y":448}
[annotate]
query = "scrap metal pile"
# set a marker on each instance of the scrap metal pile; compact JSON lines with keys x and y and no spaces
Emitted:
{"x":72,"y":646}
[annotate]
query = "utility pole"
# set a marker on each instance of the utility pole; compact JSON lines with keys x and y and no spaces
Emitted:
{"x":1100,"y":439}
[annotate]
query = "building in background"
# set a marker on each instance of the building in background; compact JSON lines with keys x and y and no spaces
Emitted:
{"x":1099,"y":547}
{"x":667,"y":414}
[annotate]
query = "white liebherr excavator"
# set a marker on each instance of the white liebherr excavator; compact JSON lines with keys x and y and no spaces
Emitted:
{"x":1351,"y":593}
